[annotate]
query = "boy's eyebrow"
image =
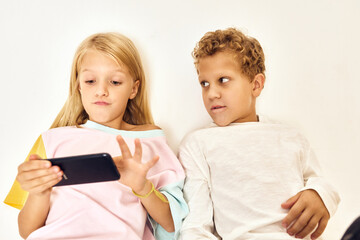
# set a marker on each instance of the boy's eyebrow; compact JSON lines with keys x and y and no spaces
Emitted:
{"x":200,"y":78}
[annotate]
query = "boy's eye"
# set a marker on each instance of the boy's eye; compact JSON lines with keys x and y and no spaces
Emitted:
{"x":204,"y":83}
{"x":116,"y":83}
{"x":223,"y":79}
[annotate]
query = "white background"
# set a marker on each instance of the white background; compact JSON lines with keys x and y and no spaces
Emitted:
{"x":312,"y":59}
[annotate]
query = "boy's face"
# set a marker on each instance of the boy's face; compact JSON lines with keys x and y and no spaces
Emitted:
{"x":228,"y":95}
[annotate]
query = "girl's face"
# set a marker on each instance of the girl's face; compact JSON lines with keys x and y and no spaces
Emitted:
{"x":105,"y":88}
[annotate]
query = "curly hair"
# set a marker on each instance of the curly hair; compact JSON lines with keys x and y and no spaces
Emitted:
{"x":247,"y":50}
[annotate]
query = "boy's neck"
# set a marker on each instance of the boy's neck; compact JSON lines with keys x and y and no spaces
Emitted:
{"x":252,"y":118}
{"x":247,"y":120}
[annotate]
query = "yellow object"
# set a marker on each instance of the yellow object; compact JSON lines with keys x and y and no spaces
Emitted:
{"x":157,"y":193}
{"x":17,"y":196}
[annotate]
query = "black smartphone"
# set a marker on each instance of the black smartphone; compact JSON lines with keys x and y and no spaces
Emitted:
{"x":88,"y":168}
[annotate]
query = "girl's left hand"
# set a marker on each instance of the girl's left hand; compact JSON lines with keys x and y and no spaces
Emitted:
{"x":132,"y":171}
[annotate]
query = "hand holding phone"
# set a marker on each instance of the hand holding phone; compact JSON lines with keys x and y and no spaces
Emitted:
{"x":87,"y":168}
{"x":37,"y":176}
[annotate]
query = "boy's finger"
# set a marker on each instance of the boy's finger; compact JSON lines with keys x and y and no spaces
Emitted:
{"x":291,"y":201}
{"x":299,"y":224}
{"x":126,"y":154}
{"x":320,"y":229}
{"x":138,"y":150}
{"x":311,"y":225}
{"x":294,"y":213}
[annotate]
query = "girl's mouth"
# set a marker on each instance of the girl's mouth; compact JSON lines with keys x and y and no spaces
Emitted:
{"x":101,"y":103}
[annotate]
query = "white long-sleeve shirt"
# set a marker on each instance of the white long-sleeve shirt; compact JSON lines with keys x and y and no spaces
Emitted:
{"x":237,"y":177}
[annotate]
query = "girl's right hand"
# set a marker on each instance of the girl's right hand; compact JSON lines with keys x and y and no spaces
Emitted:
{"x":37,"y":176}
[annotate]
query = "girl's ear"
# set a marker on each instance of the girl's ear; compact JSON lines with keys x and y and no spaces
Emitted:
{"x":258,"y":84}
{"x":134,"y":89}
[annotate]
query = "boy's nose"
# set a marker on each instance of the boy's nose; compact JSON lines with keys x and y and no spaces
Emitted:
{"x":214,"y":93}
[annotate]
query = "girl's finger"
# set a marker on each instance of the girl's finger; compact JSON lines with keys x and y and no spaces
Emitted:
{"x":33,"y":174}
{"x":45,"y":186}
{"x":138,"y":150}
{"x":43,"y":182}
{"x":33,"y":165}
{"x":151,"y":163}
{"x":34,"y":157}
{"x":126,"y":154}
{"x":118,"y":161}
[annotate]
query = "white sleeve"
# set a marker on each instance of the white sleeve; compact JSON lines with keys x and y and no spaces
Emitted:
{"x":313,"y":179}
{"x":199,"y":223}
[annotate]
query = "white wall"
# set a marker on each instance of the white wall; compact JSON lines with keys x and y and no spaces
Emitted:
{"x":312,"y":57}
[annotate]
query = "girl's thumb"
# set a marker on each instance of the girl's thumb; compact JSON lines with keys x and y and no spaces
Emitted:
{"x":34,"y":157}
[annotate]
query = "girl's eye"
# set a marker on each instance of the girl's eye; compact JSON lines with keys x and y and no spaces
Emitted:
{"x":116,"y":83}
{"x":204,"y":83}
{"x":89,"y":81}
{"x":223,"y":80}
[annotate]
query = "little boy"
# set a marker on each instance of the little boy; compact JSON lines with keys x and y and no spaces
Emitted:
{"x":243,"y":167}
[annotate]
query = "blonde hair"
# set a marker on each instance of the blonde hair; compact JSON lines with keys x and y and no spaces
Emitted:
{"x":247,"y":50}
{"x":123,"y":50}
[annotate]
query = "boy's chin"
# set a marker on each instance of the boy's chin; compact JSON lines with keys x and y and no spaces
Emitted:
{"x":221,"y":123}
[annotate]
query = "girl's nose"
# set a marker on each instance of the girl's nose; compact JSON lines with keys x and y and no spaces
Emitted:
{"x":102,"y":90}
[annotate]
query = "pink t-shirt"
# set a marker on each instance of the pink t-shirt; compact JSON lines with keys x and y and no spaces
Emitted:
{"x":106,"y":210}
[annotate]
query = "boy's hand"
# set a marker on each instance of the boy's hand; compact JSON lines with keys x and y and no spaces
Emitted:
{"x":307,"y":211}
{"x":37,"y":176}
{"x":133,"y":172}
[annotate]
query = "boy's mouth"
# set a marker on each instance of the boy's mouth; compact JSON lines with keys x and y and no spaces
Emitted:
{"x":217,"y":107}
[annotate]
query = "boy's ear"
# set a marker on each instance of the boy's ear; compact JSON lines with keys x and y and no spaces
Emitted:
{"x":258,"y":84}
{"x":135,"y":89}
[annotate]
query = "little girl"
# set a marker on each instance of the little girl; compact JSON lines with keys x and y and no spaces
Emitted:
{"x":106,"y":111}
